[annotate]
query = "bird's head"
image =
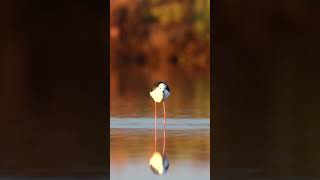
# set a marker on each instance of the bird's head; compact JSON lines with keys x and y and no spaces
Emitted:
{"x":162,"y":86}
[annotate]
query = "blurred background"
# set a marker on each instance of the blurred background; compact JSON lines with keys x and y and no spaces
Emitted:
{"x":265,"y":89}
{"x":53,"y":89}
{"x":154,"y":40}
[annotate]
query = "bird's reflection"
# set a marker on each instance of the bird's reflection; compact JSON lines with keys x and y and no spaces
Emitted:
{"x":159,"y":162}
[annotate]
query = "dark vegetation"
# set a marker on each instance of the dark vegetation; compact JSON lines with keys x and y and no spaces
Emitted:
{"x":157,"y":33}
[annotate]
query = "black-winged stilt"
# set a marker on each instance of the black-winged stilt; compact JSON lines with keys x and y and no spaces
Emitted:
{"x":160,"y":92}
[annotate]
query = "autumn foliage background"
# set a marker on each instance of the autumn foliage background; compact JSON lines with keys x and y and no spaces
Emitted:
{"x":154,"y":40}
{"x":160,"y":33}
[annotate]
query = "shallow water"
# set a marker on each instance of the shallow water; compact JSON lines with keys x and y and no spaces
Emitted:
{"x":171,"y":123}
{"x":186,"y":142}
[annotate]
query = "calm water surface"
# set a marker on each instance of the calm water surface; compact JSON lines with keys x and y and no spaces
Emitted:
{"x":185,"y":141}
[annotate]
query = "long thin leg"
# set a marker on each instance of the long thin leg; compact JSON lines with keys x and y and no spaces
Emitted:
{"x":155,"y":127}
{"x":164,"y":140}
{"x":155,"y":139}
{"x":164,"y":128}
{"x":155,"y":114}
{"x":164,"y":114}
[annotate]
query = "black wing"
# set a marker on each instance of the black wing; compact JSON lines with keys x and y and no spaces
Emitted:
{"x":167,"y":88}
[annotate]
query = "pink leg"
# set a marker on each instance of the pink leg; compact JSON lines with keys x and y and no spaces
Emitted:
{"x":164,"y":140}
{"x":164,"y":114}
{"x":155,"y":127}
{"x":155,"y":139}
{"x":155,"y":114}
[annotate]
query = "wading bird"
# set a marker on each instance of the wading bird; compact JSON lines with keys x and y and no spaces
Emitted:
{"x":160,"y":92}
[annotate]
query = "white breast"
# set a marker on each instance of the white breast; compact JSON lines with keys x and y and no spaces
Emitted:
{"x":157,"y":95}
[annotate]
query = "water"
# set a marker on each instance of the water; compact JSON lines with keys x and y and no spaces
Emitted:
{"x":148,"y":123}
{"x":185,"y":141}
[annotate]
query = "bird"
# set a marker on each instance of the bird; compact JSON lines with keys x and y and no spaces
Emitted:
{"x":160,"y":92}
